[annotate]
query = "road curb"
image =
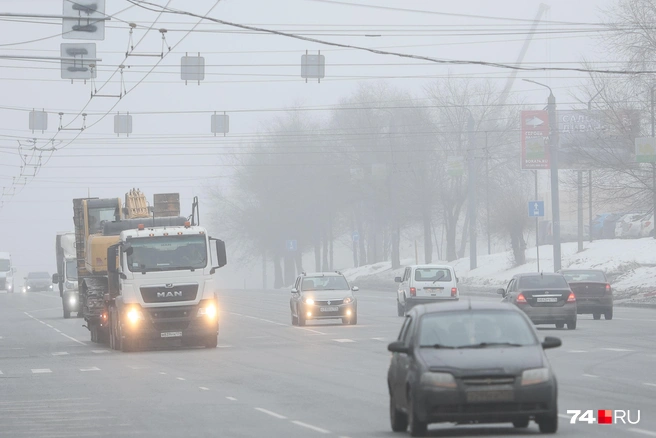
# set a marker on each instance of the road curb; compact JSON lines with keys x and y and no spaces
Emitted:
{"x":637,"y":305}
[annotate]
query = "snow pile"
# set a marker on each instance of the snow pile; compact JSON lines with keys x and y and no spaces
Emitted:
{"x":629,"y":264}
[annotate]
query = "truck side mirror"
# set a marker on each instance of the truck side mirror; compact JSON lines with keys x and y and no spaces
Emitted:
{"x":112,"y":255}
{"x":221,"y":256}
{"x":55,"y":278}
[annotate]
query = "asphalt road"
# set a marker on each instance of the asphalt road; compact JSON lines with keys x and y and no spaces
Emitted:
{"x":269,"y":379}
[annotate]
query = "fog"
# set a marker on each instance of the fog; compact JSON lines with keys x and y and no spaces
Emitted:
{"x":364,"y":151}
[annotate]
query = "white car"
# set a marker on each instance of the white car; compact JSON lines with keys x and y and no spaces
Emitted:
{"x":629,"y":226}
{"x":422,"y":284}
{"x":647,"y":228}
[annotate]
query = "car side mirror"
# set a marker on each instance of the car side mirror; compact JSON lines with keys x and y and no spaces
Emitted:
{"x":397,"y":279}
{"x":501,"y":292}
{"x":55,"y":278}
{"x":294,"y":291}
{"x":551,"y":342}
{"x":398,"y":347}
{"x":355,"y":288}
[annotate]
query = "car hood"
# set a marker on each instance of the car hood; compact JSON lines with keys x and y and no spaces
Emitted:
{"x":324,"y":295}
{"x":483,"y":361}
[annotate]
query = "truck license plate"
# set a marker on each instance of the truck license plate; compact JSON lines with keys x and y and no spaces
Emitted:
{"x":171,"y":334}
{"x":548,"y":300}
{"x":329,"y":309}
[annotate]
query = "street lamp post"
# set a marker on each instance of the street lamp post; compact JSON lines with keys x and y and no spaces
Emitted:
{"x":471,"y":191}
{"x":580,"y":177}
{"x":553,"y":152}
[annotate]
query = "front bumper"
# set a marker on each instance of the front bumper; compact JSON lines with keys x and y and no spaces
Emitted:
{"x":550,"y":315}
{"x":71,"y":301}
{"x":172,"y":323}
{"x":451,"y":405}
{"x":313,"y":311}
{"x":593,"y":304}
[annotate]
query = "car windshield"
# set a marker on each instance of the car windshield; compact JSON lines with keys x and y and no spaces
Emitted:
{"x":543,"y":282}
{"x":432,"y":274}
{"x":585,"y":276}
{"x":4,"y":265}
{"x":167,"y":253}
{"x":332,"y":282}
{"x":474,"y":328}
{"x":38,"y":275}
{"x":71,"y":270}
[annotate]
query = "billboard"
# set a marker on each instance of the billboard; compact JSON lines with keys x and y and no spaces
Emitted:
{"x":535,"y":140}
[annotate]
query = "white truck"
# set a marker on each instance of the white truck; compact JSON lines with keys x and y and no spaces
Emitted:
{"x":6,"y":273}
{"x":66,"y":276}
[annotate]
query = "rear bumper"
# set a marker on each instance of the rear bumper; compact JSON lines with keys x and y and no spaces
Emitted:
{"x":437,"y":406}
{"x":550,"y":315}
{"x":410,"y":302}
{"x":593,"y":304}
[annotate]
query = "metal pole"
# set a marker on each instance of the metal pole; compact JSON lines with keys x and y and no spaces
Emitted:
{"x":590,"y":202}
{"x":555,"y":198}
{"x":487,"y":195}
{"x":580,"y":209}
{"x":537,"y":224}
{"x":653,"y":165}
{"x":471,"y":195}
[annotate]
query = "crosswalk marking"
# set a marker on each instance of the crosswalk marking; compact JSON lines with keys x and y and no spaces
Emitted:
{"x":41,"y":370}
{"x":90,"y":369}
{"x":343,"y":340}
{"x":100,"y":351}
{"x":616,"y":349}
{"x":60,"y":353}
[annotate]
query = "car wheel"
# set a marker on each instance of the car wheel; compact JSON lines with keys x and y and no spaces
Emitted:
{"x":608,"y":314}
{"x":596,"y":316}
{"x":398,"y":419}
{"x":294,"y":320}
{"x":67,"y":313}
{"x":353,"y":320}
{"x":548,"y":423}
{"x":521,"y":424}
{"x":400,"y":310}
{"x":417,"y":427}
{"x":571,"y":325}
{"x":301,"y":320}
{"x":212,"y":342}
{"x":560,"y":325}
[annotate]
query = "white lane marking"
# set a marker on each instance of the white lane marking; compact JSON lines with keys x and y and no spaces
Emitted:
{"x":181,"y":378}
{"x":100,"y":351}
{"x":231,"y":398}
{"x":49,"y":326}
{"x":313,"y":331}
{"x":642,"y":431}
{"x":41,"y":370}
{"x":616,"y":349}
{"x":311,"y":427}
{"x":73,"y":339}
{"x":577,"y":351}
{"x":57,"y":330}
{"x":90,"y":369}
{"x":273,"y":414}
{"x":259,"y":319}
{"x":379,"y":339}
{"x":224,"y":346}
{"x":41,"y":322}
{"x":203,"y":388}
{"x":0,"y":372}
{"x":589,"y":375}
{"x":60,"y":353}
{"x":649,"y":384}
{"x":162,"y":372}
{"x":343,"y":340}
{"x":566,"y":417}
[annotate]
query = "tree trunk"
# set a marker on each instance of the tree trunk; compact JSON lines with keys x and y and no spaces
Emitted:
{"x":450,"y":228}
{"x":396,"y":244}
{"x":428,"y":235}
{"x":331,"y":255}
{"x":361,"y":243}
{"x":298,"y":258}
{"x":465,"y":235}
{"x":290,"y":268}
{"x":317,"y":251}
{"x":519,"y":247}
{"x":264,"y":270}
{"x":277,"y":272}
{"x":324,"y":266}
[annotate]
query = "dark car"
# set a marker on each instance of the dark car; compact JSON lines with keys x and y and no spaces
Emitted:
{"x":38,"y":281}
{"x":470,"y":363}
{"x":545,"y":297}
{"x":594,"y":295}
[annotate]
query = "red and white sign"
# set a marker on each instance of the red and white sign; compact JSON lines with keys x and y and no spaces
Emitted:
{"x":604,"y":416}
{"x":535,"y":140}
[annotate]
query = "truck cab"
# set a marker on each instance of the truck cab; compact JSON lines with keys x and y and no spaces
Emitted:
{"x":6,"y":273}
{"x":68,"y":287}
{"x":161,"y":286}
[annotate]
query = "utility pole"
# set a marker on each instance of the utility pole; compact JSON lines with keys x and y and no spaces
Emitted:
{"x":555,"y":198}
{"x":653,"y":165}
{"x":471,"y":195}
{"x":487,"y":194}
{"x":589,"y":181}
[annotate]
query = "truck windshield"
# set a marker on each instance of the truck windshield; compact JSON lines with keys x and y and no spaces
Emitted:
{"x":98,"y":217}
{"x":4,"y":265}
{"x":71,"y":270}
{"x":167,"y":253}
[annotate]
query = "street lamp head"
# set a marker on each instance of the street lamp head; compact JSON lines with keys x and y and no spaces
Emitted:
{"x":540,"y":84}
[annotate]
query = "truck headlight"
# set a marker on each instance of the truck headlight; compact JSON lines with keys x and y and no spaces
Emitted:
{"x":438,"y":380}
{"x":535,"y":376}
{"x":208,"y":309}
{"x":70,"y":285}
{"x":50,"y":287}
{"x":135,"y":315}
{"x":72,"y":301}
{"x":309,"y":301}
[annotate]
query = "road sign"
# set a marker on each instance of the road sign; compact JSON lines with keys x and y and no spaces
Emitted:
{"x":192,"y":68}
{"x":86,"y":20}
{"x":220,"y":123}
{"x":356,"y":237}
{"x":123,"y":124}
{"x":535,"y":139}
{"x":38,"y":121}
{"x":313,"y":66}
{"x":77,"y":59}
{"x":535,"y":208}
{"x":291,"y":245}
{"x":645,"y":149}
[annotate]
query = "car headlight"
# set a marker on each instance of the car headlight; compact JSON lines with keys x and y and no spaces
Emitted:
{"x":348,"y":300}
{"x":72,"y":301}
{"x":438,"y":380}
{"x":309,"y":301}
{"x":135,"y":315}
{"x":29,"y":287}
{"x":50,"y":286}
{"x":208,"y":310}
{"x":535,"y":376}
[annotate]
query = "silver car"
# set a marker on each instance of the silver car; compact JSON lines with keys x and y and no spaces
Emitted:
{"x":324,"y":295}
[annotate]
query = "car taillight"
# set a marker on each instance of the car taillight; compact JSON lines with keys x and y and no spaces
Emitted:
{"x":454,"y":291}
{"x":413,"y":291}
{"x":571,"y":298}
{"x":608,"y":288}
{"x":521,"y":298}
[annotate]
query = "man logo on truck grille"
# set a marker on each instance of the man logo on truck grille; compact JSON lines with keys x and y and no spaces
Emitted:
{"x":173,"y":294}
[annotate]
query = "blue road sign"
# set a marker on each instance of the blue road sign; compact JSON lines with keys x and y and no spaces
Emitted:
{"x":356,"y":236}
{"x":291,"y":245}
{"x":535,"y":208}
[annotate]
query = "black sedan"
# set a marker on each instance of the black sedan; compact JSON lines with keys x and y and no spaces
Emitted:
{"x":469,"y":363}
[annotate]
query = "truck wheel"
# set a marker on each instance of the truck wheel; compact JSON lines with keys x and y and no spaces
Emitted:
{"x":67,"y":313}
{"x":94,"y":333}
{"x":212,"y":342}
{"x":608,"y":314}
